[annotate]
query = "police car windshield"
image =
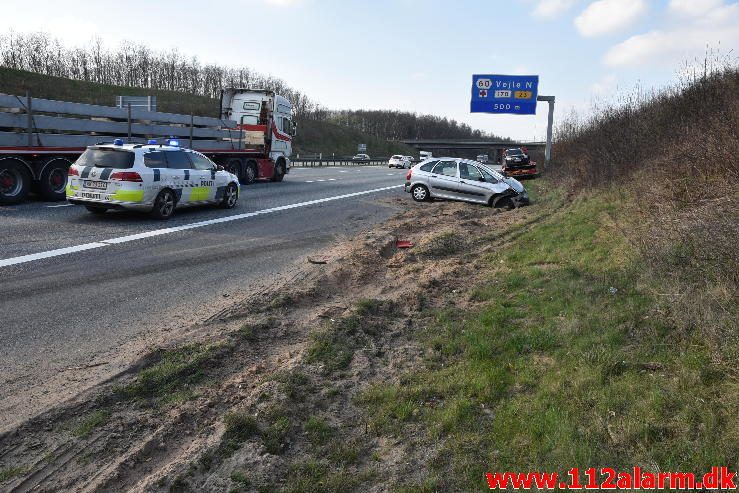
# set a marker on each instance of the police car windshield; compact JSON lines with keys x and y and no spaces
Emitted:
{"x":106,"y":158}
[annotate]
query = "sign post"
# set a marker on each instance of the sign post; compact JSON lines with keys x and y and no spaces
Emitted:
{"x":511,"y":94}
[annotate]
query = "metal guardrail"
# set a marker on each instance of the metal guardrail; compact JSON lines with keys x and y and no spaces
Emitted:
{"x":316,"y":162}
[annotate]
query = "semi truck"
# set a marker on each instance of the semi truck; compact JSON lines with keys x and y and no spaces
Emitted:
{"x":41,"y":138}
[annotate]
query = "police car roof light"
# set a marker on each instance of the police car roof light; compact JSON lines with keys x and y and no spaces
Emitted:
{"x":173,"y":142}
{"x":152,"y":142}
{"x":118,"y":142}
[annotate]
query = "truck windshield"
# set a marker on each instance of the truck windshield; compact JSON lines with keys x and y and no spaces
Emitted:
{"x":106,"y":158}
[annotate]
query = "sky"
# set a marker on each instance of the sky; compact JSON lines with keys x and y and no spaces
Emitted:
{"x":415,"y":55}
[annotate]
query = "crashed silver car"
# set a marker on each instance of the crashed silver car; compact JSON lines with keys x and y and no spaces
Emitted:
{"x":463,"y":179}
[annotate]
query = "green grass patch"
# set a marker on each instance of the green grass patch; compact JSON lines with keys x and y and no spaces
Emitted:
{"x":174,"y":375}
{"x":556,"y":369}
{"x":12,"y":472}
{"x":90,"y":422}
{"x":319,"y":432}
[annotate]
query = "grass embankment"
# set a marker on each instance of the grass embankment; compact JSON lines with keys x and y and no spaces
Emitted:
{"x":572,"y":361}
{"x":313,"y":136}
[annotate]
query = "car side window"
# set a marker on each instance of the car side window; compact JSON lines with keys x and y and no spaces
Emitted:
{"x":489,"y":176}
{"x":155,"y":159}
{"x":178,"y":160}
{"x":446,"y":168}
{"x":201,"y":162}
{"x":428,"y":166}
{"x":469,"y":172}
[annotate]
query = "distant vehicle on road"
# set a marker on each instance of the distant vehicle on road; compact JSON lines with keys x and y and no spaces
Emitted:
{"x":482,"y":158}
{"x":517,"y":162}
{"x":411,"y":160}
{"x":424,"y":155}
{"x":150,"y":178}
{"x":361,"y":157}
{"x":465,"y":180}
{"x":252,"y":138}
{"x":398,"y":161}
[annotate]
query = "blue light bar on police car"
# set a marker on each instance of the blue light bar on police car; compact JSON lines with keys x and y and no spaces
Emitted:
{"x":152,"y":142}
{"x":118,"y":142}
{"x":173,"y":142}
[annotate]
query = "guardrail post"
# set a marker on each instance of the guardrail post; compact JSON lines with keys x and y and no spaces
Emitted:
{"x":192,"y":122}
{"x":129,"y":123}
{"x":29,"y":110}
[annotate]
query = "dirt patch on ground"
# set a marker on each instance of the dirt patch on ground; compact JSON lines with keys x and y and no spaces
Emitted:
{"x":270,"y":384}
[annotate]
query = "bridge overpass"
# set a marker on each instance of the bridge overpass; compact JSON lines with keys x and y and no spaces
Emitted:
{"x":493,"y":148}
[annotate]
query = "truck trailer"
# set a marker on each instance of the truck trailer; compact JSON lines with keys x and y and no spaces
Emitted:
{"x":41,"y":138}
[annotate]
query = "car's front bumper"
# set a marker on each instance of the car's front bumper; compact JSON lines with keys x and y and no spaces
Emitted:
{"x":521,"y":199}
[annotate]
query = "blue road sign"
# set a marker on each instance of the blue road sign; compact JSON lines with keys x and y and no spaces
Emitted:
{"x":514,"y":94}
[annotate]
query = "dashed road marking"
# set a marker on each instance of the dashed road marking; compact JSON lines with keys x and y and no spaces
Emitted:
{"x":59,"y":205}
{"x":164,"y":231}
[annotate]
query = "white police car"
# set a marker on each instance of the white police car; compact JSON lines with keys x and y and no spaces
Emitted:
{"x":151,"y":177}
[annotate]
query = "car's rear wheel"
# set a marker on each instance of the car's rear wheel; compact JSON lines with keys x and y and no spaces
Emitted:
{"x":15,"y":181}
{"x":164,"y":204}
{"x":420,"y":193}
{"x":230,"y":197}
{"x":96,"y":209}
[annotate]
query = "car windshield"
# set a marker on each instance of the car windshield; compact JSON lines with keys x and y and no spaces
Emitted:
{"x":515,"y":152}
{"x":397,"y":157}
{"x":106,"y":158}
{"x":489,"y":173}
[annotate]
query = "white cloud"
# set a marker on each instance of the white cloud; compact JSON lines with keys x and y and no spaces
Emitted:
{"x":714,"y":26}
{"x":552,"y":8}
{"x":282,"y":3}
{"x":609,"y":16}
{"x":689,"y":8}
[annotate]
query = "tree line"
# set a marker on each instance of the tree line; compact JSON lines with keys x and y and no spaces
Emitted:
{"x":136,"y":65}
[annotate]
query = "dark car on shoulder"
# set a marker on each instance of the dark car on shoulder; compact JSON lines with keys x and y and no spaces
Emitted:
{"x":518,"y":163}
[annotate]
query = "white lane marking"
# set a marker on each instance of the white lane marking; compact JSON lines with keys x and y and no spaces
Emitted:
{"x":320,"y":180}
{"x":158,"y":232}
{"x":343,"y":171}
{"x":310,"y":181}
{"x":332,"y":179}
{"x":60,"y":205}
{"x":51,"y":253}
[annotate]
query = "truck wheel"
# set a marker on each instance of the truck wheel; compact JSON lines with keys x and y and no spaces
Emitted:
{"x":235,"y":166}
{"x":15,"y":181}
{"x":279,"y":171}
{"x":250,"y":173}
{"x":164,"y":204}
{"x":54,"y":179}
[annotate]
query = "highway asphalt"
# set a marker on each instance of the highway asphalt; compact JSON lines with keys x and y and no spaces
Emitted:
{"x":66,"y":310}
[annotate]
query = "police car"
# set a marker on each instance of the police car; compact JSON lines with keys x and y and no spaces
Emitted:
{"x":151,"y":177}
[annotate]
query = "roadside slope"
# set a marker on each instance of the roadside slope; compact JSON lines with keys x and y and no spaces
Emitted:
{"x":522,"y":340}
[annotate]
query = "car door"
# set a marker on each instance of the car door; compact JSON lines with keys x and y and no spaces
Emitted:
{"x":161,"y":177}
{"x":444,"y":180}
{"x":473,"y":185}
{"x":204,"y":177}
{"x":180,"y":173}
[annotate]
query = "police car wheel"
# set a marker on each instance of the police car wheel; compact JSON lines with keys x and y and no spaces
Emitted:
{"x":230,"y":197}
{"x":96,"y":210}
{"x":164,"y":205}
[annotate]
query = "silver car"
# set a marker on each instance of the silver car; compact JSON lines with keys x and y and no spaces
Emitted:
{"x":462,"y":179}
